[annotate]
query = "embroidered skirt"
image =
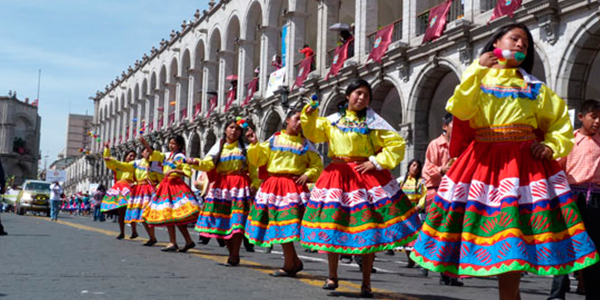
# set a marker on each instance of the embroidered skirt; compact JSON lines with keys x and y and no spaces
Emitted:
{"x":117,"y":196}
{"x":226,"y":207}
{"x":276,"y":215}
{"x":141,"y":196}
{"x":172,"y":204}
{"x":353,"y":213}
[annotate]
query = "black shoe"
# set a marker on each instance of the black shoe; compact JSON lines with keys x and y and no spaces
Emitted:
{"x":455,"y":282}
{"x":3,"y":232}
{"x":283,"y":273}
{"x":149,"y":243}
{"x":346,"y":259}
{"x":187,"y":247}
{"x":120,"y":236}
{"x":410,"y":264}
{"x":390,"y":252}
{"x":232,"y":263}
{"x":204,"y":240}
{"x":423,"y":272}
{"x":250,"y":249}
{"x":133,"y":236}
{"x":365,"y":292}
{"x":221,"y":242}
{"x":172,"y":248}
{"x":331,"y":284}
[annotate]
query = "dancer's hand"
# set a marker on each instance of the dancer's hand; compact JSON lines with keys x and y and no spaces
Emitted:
{"x":106,"y":145}
{"x":190,"y":161}
{"x":302,"y":180}
{"x":251,"y":136}
{"x":541,"y":151}
{"x":488,"y":59}
{"x":365,"y":167}
{"x":310,"y":110}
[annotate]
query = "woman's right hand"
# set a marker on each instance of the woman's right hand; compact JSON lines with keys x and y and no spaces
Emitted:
{"x":488,"y":59}
{"x":310,"y":110}
{"x":106,"y":145}
{"x":251,"y":136}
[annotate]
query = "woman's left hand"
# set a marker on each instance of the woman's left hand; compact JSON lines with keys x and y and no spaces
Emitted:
{"x":541,"y":151}
{"x":365,"y":167}
{"x":302,"y":180}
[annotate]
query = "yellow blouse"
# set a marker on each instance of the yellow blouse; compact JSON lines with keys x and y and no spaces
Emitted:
{"x":171,"y":161}
{"x":232,"y":159}
{"x":386,"y":146}
{"x":415,"y":191}
{"x":491,"y":97}
{"x":123,"y":170}
{"x":286,"y":154}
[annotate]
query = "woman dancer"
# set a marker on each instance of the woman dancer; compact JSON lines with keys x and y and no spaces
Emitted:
{"x":413,"y":186}
{"x":228,"y":201}
{"x":356,"y":207}
{"x":174,"y":203}
{"x":142,"y":193}
{"x":276,"y":215}
{"x":119,"y":194}
{"x":504,"y":206}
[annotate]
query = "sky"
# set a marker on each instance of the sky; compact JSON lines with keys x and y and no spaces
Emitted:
{"x":80,"y":46}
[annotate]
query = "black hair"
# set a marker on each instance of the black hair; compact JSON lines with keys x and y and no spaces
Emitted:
{"x":101,"y":188}
{"x":419,"y":175}
{"x":241,"y":143}
{"x":355,"y":84}
{"x":345,"y":34}
{"x":305,"y":45}
{"x":291,"y":113}
{"x":127,"y":154}
{"x":179,"y":141}
{"x":447,"y":119}
{"x":589,"y":105}
{"x":527,"y":64}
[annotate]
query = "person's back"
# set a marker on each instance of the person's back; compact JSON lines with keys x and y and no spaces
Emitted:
{"x":56,"y":193}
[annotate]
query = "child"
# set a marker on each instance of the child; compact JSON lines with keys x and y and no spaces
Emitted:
{"x":118,"y":196}
{"x":413,"y":186}
{"x":356,"y":207}
{"x":228,"y":201}
{"x":505,"y":206}
{"x":582,"y":166}
{"x":275,"y":217}
{"x":174,"y":203}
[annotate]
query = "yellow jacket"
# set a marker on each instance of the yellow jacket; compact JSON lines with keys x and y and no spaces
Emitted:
{"x":123,"y":170}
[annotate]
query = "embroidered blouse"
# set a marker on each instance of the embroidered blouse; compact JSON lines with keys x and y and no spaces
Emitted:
{"x":171,"y":161}
{"x":122,"y":170}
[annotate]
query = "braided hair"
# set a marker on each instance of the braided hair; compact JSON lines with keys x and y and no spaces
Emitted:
{"x":241,"y":143}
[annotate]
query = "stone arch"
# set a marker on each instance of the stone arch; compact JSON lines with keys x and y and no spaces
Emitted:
{"x":210,"y":138}
{"x":162,"y":77}
{"x":578,"y":61}
{"x":214,"y":44}
{"x":193,"y":147}
{"x":386,"y":94}
{"x":252,"y":34}
{"x":198,"y":54}
{"x":272,"y":122}
{"x":184,"y":72}
{"x":275,"y":10}
{"x":541,"y":69}
{"x":331,"y":102}
{"x":434,"y":86}
{"x":136,"y":92}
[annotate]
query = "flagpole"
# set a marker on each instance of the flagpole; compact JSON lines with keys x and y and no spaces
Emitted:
{"x":38,"y":89}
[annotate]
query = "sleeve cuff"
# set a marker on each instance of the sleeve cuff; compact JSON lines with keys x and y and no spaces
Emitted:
{"x":374,"y":161}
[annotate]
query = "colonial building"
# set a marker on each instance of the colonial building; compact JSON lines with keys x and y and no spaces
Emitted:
{"x":19,"y":138}
{"x":169,"y":90}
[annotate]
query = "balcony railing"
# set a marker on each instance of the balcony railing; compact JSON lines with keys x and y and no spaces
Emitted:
{"x":331,"y":53}
{"x":396,"y":35}
{"x":488,"y":5}
{"x":456,"y":12}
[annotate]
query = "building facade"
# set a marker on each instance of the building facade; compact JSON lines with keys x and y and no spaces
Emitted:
{"x":169,"y":90}
{"x":78,"y":127}
{"x":19,"y":138}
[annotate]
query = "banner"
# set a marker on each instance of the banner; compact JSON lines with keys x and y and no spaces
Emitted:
{"x":303,"y":71}
{"x":341,"y":53}
{"x":276,"y":79}
{"x":284,"y":33}
{"x":230,"y":99}
{"x":252,"y":87}
{"x":383,"y":39}
{"x":438,"y":17}
{"x":211,"y":106}
{"x":56,"y":175}
{"x":505,"y":7}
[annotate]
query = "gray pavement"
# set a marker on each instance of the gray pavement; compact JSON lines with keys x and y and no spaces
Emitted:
{"x":77,"y":258}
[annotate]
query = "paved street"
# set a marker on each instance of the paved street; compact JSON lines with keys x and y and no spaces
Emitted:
{"x":77,"y":258}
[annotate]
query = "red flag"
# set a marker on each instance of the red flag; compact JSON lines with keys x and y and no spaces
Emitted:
{"x":505,"y":7}
{"x":34,"y":103}
{"x":438,"y":17}
{"x":383,"y":39}
{"x":171,"y":118}
{"x":183,"y":114}
{"x":160,"y":123}
{"x":197,"y":109}
{"x":252,"y":87}
{"x":211,"y":106}
{"x":230,"y":99}
{"x":341,"y":53}
{"x":303,"y":71}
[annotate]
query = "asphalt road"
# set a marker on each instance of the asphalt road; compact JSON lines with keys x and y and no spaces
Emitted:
{"x":77,"y":258}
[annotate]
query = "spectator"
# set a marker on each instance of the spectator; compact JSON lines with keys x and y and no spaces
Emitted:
{"x":56,"y":192}
{"x":97,"y":198}
{"x":2,"y":190}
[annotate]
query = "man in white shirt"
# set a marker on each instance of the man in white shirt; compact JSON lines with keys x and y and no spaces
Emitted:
{"x":56,"y":192}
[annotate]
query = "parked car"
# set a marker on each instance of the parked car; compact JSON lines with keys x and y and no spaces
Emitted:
{"x":34,"y":196}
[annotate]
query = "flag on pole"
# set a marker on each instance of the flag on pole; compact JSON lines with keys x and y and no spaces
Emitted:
{"x":230,"y":99}
{"x":383,"y":39}
{"x":34,"y":103}
{"x":505,"y":7}
{"x":303,"y":71}
{"x":341,"y":53}
{"x":438,"y":17}
{"x":252,"y":87}
{"x":211,"y":106}
{"x":197,"y":109}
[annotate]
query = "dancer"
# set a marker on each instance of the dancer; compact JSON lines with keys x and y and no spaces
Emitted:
{"x":174,"y":203}
{"x":356,"y":207}
{"x":414,"y":188}
{"x":118,"y":196}
{"x":276,"y":215}
{"x":141,"y":195}
{"x":505,"y":206}
{"x":228,"y":201}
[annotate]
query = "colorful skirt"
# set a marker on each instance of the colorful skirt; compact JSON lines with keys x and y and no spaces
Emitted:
{"x":117,"y":196}
{"x":226,"y":207}
{"x":499,"y":210}
{"x":276,"y":215}
{"x":353,"y":213}
{"x":141,"y":196}
{"x":172,"y":204}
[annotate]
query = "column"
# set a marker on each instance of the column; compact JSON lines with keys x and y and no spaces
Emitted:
{"x":169,"y":96}
{"x":268,"y":48}
{"x":366,"y":22}
{"x":409,"y":25}
{"x":245,"y":67}
{"x":295,"y":40}
{"x":328,"y":11}
{"x":225,"y":69}
{"x":158,"y":99}
{"x":191,"y":93}
{"x":209,"y":82}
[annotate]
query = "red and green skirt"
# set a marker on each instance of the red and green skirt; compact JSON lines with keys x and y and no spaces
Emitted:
{"x":141,"y":196}
{"x":353,"y":213}
{"x":276,"y":215}
{"x":226,"y":206}
{"x":172,"y":204}
{"x":499,"y":210}
{"x":117,"y":196}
